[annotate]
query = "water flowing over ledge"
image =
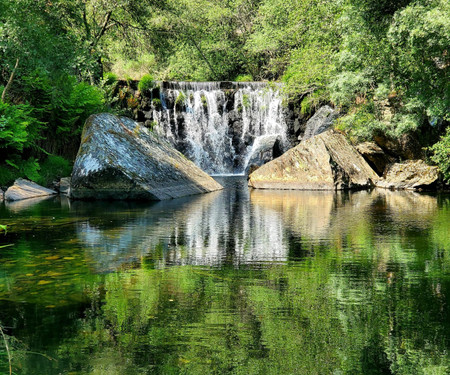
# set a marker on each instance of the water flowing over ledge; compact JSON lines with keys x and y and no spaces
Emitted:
{"x":222,"y":126}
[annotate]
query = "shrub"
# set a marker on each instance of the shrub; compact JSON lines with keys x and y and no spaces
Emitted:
{"x":244,"y":78}
{"x":181,"y":99}
{"x":441,"y":155}
{"x":156,"y":103}
{"x":15,"y":167}
{"x":54,"y":168}
{"x":19,"y":127}
{"x":109,"y":78}
{"x":146,"y":83}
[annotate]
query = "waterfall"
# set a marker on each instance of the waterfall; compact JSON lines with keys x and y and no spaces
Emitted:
{"x":221,"y":126}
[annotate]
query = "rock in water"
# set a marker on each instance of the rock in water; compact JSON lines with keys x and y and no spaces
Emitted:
{"x":24,"y":189}
{"x":320,"y":122}
{"x":64,"y":185}
{"x":1,"y":195}
{"x":264,"y":149}
{"x":324,"y":162}
{"x":411,"y":175}
{"x":375,"y":156}
{"x":119,"y":159}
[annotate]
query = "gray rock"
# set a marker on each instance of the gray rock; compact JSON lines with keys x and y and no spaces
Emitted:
{"x":375,"y":156}
{"x":320,"y":122}
{"x":324,"y":162}
{"x":1,"y":194}
{"x":118,"y":159}
{"x":64,"y":185}
{"x":410,"y":175}
{"x":24,"y":189}
{"x":264,"y":150}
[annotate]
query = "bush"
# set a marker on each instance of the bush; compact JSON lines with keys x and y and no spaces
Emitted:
{"x":15,"y":167}
{"x":180,"y":100}
{"x":441,"y":155}
{"x":54,"y":168}
{"x":244,"y":78}
{"x":109,"y":78}
{"x":146,"y":83}
{"x":19,"y":128}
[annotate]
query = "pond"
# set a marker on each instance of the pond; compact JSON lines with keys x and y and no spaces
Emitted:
{"x":233,"y":282}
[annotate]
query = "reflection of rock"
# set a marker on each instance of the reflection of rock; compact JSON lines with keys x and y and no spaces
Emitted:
{"x":375,"y":156}
{"x":412,"y":174}
{"x":407,"y":207}
{"x":320,"y":122}
{"x":118,"y":159}
{"x":24,"y":189}
{"x":24,"y":204}
{"x":306,"y":213}
{"x":324,"y":162}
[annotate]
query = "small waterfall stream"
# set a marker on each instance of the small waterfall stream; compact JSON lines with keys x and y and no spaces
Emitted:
{"x":221,"y":126}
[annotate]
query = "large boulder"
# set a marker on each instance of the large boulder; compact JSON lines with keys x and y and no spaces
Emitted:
{"x":324,"y":162}
{"x":119,"y":159}
{"x":24,"y":189}
{"x":375,"y":156}
{"x":411,"y":175}
{"x":264,"y":150}
{"x":406,"y":146}
{"x":320,"y":122}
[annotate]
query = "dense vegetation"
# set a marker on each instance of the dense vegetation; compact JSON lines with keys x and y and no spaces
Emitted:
{"x":384,"y":63}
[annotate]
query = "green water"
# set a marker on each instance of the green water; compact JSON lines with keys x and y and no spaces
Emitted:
{"x":232,"y":282}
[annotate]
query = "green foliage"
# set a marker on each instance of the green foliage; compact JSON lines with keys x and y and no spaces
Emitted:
{"x":245,"y":100}
{"x":441,"y":155}
{"x":146,"y":83}
{"x":244,"y":78}
{"x":18,"y":127}
{"x":156,"y":103}
{"x":53,"y":169}
{"x":204,"y":101}
{"x":180,"y":100}
{"x":109,"y":78}
{"x":15,"y":167}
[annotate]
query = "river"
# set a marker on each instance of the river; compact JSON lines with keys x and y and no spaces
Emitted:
{"x":233,"y":282}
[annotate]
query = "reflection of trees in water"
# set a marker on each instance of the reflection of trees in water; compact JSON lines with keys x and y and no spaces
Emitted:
{"x":370,"y":295}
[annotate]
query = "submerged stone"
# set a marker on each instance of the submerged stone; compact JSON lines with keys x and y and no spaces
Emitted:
{"x":324,"y":162}
{"x":24,"y":189}
{"x":119,"y":159}
{"x":411,"y":175}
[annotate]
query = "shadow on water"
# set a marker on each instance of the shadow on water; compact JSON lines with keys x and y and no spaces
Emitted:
{"x":235,"y":281}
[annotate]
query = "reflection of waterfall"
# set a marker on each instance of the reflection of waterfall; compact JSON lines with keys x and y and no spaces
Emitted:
{"x":212,"y":229}
{"x":238,"y":227}
{"x":216,"y":125}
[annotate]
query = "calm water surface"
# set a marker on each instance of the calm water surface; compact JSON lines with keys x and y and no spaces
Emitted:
{"x":233,"y":282}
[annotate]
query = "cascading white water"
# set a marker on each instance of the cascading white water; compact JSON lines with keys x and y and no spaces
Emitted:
{"x":220,"y":129}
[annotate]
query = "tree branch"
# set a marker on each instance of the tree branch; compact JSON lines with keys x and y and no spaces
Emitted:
{"x":11,"y":77}
{"x":102,"y":31}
